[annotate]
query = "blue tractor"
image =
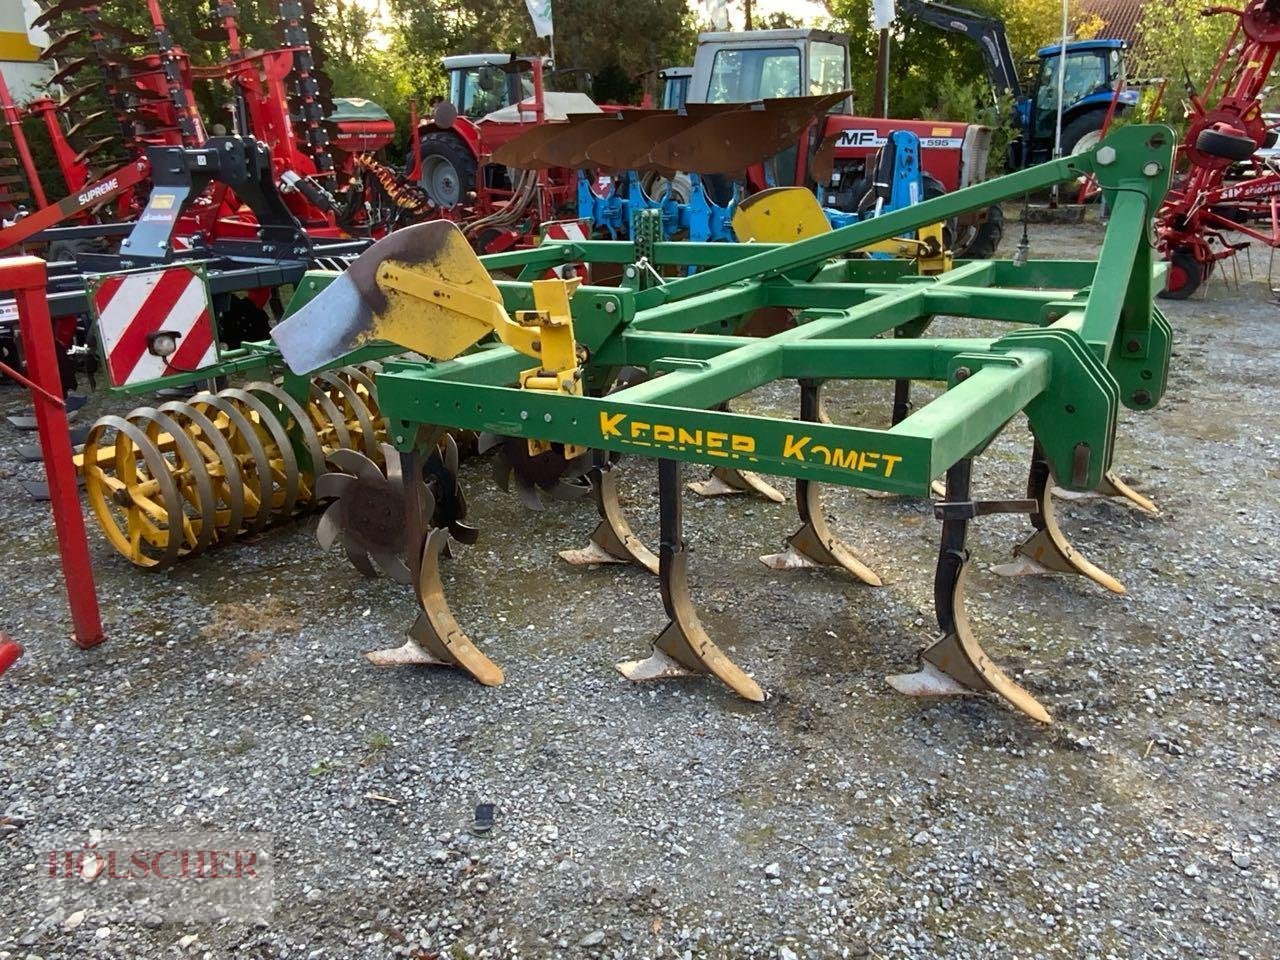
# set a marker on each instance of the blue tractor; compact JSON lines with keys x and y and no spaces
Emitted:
{"x":1093,"y":70}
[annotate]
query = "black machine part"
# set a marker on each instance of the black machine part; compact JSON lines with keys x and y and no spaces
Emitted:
{"x":988,"y":33}
{"x":181,"y":174}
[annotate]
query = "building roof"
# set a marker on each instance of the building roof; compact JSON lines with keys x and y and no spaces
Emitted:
{"x":1119,"y":16}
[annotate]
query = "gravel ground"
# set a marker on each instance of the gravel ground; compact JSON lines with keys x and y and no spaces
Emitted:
{"x":837,"y":820}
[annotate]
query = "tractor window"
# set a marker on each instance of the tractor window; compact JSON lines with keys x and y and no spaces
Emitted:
{"x":739,"y":76}
{"x":826,"y":68}
{"x":675,"y":92}
{"x":1087,"y":71}
{"x":477,"y":91}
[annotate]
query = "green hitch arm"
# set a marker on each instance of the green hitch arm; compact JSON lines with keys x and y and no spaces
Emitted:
{"x":1140,"y":155}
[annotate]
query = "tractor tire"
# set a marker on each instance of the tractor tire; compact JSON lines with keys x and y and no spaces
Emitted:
{"x":1229,"y":146}
{"x":655,"y":185}
{"x":1083,"y":132}
{"x":977,"y":242}
{"x":448,"y":168}
{"x":1185,"y":275}
{"x":983,"y":239}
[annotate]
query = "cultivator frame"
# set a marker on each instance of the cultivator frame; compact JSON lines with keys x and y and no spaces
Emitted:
{"x":1089,"y":340}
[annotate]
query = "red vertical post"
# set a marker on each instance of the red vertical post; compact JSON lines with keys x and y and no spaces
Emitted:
{"x":25,"y":277}
{"x":10,"y":652}
{"x":14,"y":121}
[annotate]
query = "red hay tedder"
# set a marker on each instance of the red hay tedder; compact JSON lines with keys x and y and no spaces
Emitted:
{"x":1204,"y":205}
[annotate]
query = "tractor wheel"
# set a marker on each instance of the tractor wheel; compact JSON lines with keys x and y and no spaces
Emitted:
{"x":983,"y":238}
{"x":448,"y":168}
{"x":655,"y":185}
{"x":973,"y":242}
{"x":1229,"y":146}
{"x":1083,"y":133}
{"x":1186,"y":273}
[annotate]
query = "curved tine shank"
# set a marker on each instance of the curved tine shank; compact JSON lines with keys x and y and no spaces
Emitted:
{"x":436,"y":639}
{"x":1047,"y":551}
{"x":613,"y":540}
{"x":683,"y":648}
{"x":728,"y":481}
{"x":956,"y":664}
{"x":814,"y":544}
{"x":1112,"y":487}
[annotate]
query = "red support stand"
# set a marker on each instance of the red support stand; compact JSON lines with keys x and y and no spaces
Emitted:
{"x":9,"y":653}
{"x":25,"y":278}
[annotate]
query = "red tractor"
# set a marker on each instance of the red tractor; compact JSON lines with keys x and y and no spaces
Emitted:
{"x":837,"y":152}
{"x":493,"y":99}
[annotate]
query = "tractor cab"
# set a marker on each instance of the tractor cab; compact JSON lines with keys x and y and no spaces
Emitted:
{"x":480,"y":83}
{"x":675,"y":86}
{"x":1091,"y":71}
{"x":767,"y":64}
{"x":770,"y":64}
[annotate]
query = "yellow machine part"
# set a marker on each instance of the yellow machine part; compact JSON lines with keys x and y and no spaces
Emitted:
{"x":779,"y":215}
{"x":788,"y":214}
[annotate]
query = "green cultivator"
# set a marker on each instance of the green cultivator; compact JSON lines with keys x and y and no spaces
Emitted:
{"x":563,"y":380}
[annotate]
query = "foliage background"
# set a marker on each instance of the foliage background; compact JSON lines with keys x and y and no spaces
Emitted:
{"x":394,"y":57}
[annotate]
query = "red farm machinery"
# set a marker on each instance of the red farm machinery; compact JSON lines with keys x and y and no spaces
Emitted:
{"x":1227,"y":184}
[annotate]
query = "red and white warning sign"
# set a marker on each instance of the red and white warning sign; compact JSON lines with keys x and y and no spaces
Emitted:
{"x":572,"y":231}
{"x":133,"y":309}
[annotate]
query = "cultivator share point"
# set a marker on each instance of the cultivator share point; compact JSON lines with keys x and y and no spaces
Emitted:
{"x":534,"y":366}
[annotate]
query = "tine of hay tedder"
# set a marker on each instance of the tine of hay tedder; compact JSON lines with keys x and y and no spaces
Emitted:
{"x":546,"y":371}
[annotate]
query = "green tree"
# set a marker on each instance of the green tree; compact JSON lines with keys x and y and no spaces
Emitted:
{"x":923,"y":57}
{"x":628,"y":39}
{"x":1177,"y":42}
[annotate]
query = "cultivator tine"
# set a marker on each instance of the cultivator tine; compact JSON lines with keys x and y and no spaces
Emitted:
{"x":58,"y":9}
{"x":77,"y":94}
{"x":613,"y":540}
{"x":61,"y":43}
{"x":683,"y":648}
{"x":86,"y":122}
{"x":436,"y":639}
{"x":1047,"y":551}
{"x":122,"y":34}
{"x":1114,"y":488}
{"x":730,"y":481}
{"x":96,"y":147}
{"x":70,"y":69}
{"x":956,"y":664}
{"x":814,"y":545}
